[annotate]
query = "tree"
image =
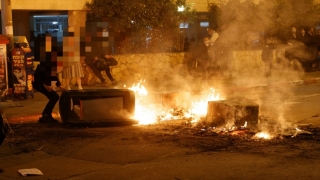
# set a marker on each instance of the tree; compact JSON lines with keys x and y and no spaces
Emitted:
{"x":241,"y":22}
{"x":214,"y":14}
{"x":156,"y":23}
{"x":287,"y":13}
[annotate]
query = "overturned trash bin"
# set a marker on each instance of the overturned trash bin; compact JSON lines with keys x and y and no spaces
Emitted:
{"x":237,"y":112}
{"x":99,"y":107}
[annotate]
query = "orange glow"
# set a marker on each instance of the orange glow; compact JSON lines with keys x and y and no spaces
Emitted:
{"x":199,"y":109}
{"x":144,"y":113}
{"x":139,"y":88}
{"x":263,"y":135}
{"x":148,"y":113}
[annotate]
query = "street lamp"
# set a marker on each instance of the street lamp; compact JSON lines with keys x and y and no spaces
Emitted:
{"x":180,"y":8}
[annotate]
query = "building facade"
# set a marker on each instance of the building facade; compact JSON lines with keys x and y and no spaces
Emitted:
{"x":55,"y":15}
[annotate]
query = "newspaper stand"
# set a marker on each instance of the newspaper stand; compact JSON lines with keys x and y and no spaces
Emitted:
{"x":3,"y":65}
{"x":22,"y":70}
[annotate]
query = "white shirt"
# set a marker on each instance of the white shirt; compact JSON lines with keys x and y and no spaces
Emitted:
{"x":213,"y":38}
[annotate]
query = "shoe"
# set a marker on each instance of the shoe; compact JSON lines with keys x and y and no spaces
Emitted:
{"x":47,"y":119}
{"x":68,"y":88}
{"x":80,"y":88}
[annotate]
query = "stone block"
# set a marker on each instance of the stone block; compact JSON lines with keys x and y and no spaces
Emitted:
{"x":234,"y":112}
{"x":97,"y":106}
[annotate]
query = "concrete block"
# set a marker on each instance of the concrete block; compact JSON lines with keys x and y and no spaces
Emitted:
{"x":97,"y":106}
{"x":232,"y":112}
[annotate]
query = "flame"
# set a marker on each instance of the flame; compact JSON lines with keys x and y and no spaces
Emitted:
{"x":245,"y":125}
{"x":262,"y":135}
{"x":143,"y":113}
{"x":147,"y":113}
{"x":139,"y":88}
{"x":199,"y":109}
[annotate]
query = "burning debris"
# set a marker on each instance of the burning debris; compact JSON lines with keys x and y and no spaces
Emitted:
{"x":233,"y":112}
{"x":300,"y":131}
{"x":175,"y":114}
{"x":263,"y":135}
{"x":210,"y":115}
{"x":244,"y":132}
{"x":150,"y":111}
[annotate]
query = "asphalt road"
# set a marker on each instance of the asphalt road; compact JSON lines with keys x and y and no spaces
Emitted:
{"x":293,"y":104}
{"x":169,"y":151}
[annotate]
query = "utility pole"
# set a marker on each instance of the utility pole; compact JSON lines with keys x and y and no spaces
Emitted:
{"x":7,"y":30}
{"x":6,"y":18}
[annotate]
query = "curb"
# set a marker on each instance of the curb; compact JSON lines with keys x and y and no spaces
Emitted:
{"x":306,"y":81}
{"x":32,"y":118}
{"x":283,"y":85}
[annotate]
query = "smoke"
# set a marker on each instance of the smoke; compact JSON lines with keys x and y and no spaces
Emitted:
{"x":246,"y":30}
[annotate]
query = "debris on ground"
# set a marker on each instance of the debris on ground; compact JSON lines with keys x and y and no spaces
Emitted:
{"x":30,"y":172}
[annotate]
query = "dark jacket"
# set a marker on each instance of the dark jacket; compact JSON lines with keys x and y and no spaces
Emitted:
{"x":103,"y":63}
{"x":42,"y":76}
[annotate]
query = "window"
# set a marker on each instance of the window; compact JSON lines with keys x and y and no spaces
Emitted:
{"x":184,"y":25}
{"x":204,"y":24}
{"x":49,"y":23}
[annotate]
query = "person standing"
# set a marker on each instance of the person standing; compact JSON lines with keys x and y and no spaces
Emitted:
{"x":293,"y":36}
{"x":317,"y":39}
{"x":213,"y":49}
{"x":267,"y":54}
{"x":294,"y":49}
{"x":312,"y":48}
{"x":302,"y":37}
{"x":71,"y":57}
{"x":213,"y":36}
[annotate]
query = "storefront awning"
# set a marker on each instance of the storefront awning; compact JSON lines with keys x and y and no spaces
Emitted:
{"x":3,"y":39}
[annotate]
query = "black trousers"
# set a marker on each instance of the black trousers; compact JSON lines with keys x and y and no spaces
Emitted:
{"x":95,"y":70}
{"x":53,"y":99}
{"x":108,"y":72}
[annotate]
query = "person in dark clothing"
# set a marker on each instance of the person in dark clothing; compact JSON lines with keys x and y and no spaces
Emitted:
{"x":302,"y":36}
{"x":42,"y":83}
{"x":267,"y":54}
{"x":312,"y":48}
{"x":105,"y":65}
{"x":102,"y":63}
{"x":296,"y":48}
{"x":198,"y":59}
{"x":90,"y":63}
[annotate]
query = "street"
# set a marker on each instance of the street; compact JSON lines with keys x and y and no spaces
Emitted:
{"x":170,"y":150}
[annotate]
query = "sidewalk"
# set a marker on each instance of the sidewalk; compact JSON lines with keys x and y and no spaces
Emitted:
{"x":28,"y":111}
{"x":150,"y":152}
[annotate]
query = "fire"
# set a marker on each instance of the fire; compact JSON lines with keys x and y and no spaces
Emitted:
{"x":262,"y":135}
{"x":139,"y":88}
{"x":147,"y":113}
{"x":199,"y":109}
